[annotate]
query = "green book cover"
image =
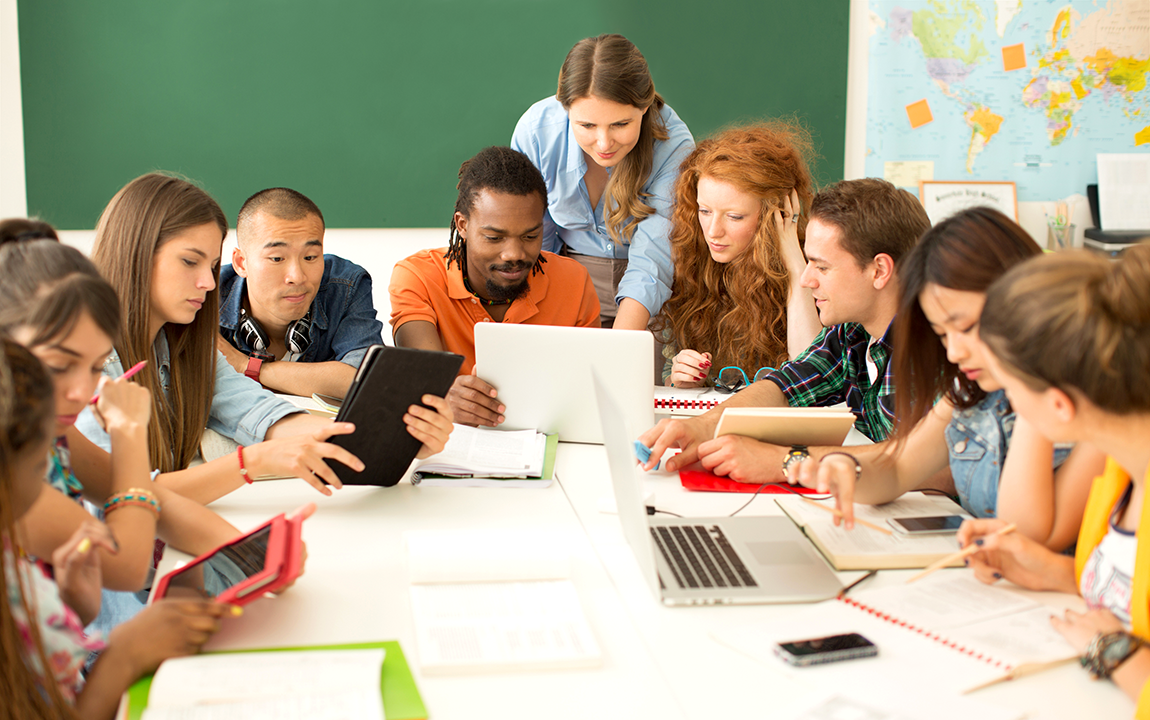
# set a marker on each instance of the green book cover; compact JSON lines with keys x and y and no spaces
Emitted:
{"x":401,"y":699}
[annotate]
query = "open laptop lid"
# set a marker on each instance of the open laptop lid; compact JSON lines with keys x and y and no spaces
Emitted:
{"x":625,"y":483}
{"x":541,"y":373}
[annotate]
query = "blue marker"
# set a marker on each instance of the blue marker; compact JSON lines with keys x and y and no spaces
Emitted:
{"x":643,"y":453}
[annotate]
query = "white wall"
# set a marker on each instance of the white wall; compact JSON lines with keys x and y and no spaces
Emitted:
{"x":376,"y":250}
{"x":13,"y":191}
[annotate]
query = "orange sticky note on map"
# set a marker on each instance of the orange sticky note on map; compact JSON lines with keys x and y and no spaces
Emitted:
{"x":1013,"y":57}
{"x":919,"y":113}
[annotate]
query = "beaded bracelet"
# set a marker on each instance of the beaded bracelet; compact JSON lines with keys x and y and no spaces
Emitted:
{"x":243,"y":470}
{"x":852,"y":458}
{"x":133,"y":496}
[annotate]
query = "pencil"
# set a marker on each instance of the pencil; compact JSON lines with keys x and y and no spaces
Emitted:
{"x":860,"y":521}
{"x":963,"y":553}
{"x":131,"y":371}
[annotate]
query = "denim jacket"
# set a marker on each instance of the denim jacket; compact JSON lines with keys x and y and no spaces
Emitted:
{"x":241,"y":409}
{"x":343,"y":322}
{"x":977,"y":440}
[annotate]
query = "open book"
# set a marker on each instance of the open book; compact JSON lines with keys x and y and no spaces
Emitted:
{"x":320,"y":684}
{"x":865,"y":549}
{"x":495,"y":601}
{"x":482,"y":457}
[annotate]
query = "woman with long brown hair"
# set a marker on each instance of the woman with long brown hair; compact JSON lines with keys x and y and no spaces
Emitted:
{"x":951,"y":412}
{"x":609,"y":148}
{"x":42,"y":644}
{"x":158,"y":243}
{"x":736,"y":240}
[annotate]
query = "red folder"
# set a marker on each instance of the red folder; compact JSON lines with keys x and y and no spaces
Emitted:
{"x":708,"y":482}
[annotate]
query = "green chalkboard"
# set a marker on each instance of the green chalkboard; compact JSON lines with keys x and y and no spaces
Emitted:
{"x":369,"y":106}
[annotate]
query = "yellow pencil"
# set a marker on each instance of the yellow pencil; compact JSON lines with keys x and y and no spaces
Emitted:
{"x":860,"y":521}
{"x":963,"y":553}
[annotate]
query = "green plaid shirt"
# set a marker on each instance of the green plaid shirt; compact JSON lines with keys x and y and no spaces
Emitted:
{"x":833,"y":370}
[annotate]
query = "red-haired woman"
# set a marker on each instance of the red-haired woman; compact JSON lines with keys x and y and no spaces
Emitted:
{"x":736,"y":243}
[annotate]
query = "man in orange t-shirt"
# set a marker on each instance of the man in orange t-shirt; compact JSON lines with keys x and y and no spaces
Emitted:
{"x":494,"y":270}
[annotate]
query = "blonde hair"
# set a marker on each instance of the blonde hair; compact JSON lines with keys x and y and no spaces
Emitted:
{"x":1074,"y":320}
{"x":737,"y":310}
{"x":612,"y":68}
{"x":144,"y":215}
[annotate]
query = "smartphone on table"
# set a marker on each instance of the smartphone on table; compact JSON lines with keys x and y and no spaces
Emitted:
{"x":931,"y":525}
{"x":832,"y":648}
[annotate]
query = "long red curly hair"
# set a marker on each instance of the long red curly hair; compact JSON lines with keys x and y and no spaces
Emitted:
{"x":737,"y":311}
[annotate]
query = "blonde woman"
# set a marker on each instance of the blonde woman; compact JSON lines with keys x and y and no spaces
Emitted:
{"x":609,"y":149}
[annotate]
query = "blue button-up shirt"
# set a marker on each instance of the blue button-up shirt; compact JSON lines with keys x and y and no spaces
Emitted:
{"x":241,"y":408}
{"x":343,"y":321}
{"x":545,"y":135}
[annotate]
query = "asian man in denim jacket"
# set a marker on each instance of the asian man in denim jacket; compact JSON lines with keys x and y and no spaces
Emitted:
{"x":292,"y":318}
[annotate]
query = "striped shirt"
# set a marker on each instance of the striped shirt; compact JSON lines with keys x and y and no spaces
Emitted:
{"x":833,"y":370}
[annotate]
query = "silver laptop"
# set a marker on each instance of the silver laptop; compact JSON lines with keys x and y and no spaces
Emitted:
{"x":541,"y":373}
{"x":704,"y":561}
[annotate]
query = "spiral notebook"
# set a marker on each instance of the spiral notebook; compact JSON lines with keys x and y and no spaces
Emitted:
{"x":949,"y":632}
{"x":1008,"y":631}
{"x":688,"y":401}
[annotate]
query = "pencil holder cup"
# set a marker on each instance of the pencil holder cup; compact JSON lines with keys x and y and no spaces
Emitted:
{"x":1059,"y":237}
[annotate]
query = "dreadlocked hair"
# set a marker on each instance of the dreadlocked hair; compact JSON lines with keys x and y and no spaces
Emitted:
{"x":26,"y":404}
{"x":498,"y":169}
{"x":737,"y":310}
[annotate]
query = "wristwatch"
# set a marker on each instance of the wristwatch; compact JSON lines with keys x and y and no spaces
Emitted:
{"x":796,"y":454}
{"x":253,"y":368}
{"x":1106,"y":652}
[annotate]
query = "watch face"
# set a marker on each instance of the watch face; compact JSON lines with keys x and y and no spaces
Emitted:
{"x":1116,"y":649}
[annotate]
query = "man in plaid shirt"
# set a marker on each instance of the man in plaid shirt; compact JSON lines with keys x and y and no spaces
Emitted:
{"x":857,"y":233}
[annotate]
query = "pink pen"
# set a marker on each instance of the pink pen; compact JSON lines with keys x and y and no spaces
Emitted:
{"x":131,"y":371}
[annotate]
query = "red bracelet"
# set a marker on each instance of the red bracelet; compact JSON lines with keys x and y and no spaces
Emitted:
{"x":243,"y":470}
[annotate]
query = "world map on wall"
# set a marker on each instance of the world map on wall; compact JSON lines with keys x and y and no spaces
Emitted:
{"x":1021,"y":90}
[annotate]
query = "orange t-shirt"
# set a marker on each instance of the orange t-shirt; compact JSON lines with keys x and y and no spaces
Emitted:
{"x":422,"y":288}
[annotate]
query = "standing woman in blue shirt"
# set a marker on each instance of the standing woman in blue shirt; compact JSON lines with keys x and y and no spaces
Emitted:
{"x":609,"y":149}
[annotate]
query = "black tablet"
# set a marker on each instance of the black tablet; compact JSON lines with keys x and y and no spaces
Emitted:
{"x":388,"y":382}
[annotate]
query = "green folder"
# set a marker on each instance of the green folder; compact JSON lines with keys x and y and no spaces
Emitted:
{"x":401,"y":700}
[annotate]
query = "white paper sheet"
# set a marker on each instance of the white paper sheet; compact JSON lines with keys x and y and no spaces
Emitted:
{"x":262,"y":682}
{"x":489,"y":627}
{"x":1123,"y":186}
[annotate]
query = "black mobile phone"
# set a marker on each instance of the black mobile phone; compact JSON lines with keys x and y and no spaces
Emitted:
{"x":832,"y":648}
{"x":932,"y":525}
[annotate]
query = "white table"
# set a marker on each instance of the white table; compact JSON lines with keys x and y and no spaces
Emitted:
{"x":660,"y":662}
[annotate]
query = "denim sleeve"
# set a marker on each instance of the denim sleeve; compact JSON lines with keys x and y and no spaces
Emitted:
{"x":359,"y":328}
{"x":241,"y":408}
{"x":650,"y":271}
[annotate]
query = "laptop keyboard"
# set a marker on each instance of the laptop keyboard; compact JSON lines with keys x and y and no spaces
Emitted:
{"x":701,"y":557}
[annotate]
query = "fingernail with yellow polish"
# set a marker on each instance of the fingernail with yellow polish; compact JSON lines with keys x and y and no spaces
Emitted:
{"x":84,"y":546}
{"x":237,"y":610}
